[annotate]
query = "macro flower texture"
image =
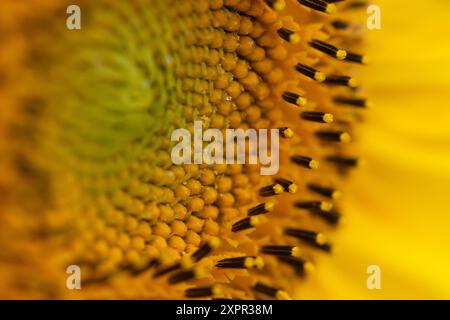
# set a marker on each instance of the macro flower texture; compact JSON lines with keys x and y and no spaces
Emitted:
{"x":92,"y":91}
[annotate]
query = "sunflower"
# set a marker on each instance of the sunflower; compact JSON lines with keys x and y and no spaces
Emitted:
{"x":88,"y":178}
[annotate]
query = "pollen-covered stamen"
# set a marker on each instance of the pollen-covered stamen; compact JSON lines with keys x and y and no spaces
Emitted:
{"x":343,"y":161}
{"x":307,"y":235}
{"x":206,"y":248}
{"x":246,"y":223}
{"x":200,"y":292}
{"x":277,"y":5}
{"x":336,"y":80}
{"x":288,"y":35}
{"x":315,"y":239}
{"x":357,"y":58}
{"x":300,"y":266}
{"x":261,"y":208}
{"x":259,"y":263}
{"x":354,"y":102}
{"x":319,"y":5}
{"x":286,"y":132}
{"x":294,"y":98}
{"x":281,"y":250}
{"x":187,"y":275}
{"x":336,"y":136}
{"x":325,"y":191}
{"x":305,"y":162}
{"x":271,"y":291}
{"x":310,"y":72}
{"x":314,"y":205}
{"x":317,"y":116}
{"x":328,"y":49}
{"x":288,"y":185}
{"x":271,"y":190}
{"x":241,"y":263}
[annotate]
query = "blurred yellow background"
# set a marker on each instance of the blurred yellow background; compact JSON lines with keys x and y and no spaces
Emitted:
{"x":397,"y":204}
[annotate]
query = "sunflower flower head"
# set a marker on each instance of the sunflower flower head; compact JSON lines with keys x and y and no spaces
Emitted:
{"x":89,"y":177}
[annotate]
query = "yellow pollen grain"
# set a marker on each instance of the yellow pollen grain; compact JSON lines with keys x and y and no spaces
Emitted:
{"x":288,"y":133}
{"x":293,"y":188}
{"x":331,"y":8}
{"x":353,"y":83}
{"x":336,"y":195}
{"x":308,"y":267}
{"x":341,"y":54}
{"x":326,"y":206}
{"x":314,"y":164}
{"x":366,"y":60}
{"x":214,"y":242}
{"x":294,"y":38}
{"x":320,"y":76}
{"x":321,"y":239}
{"x":302,"y":101}
{"x":254,"y":221}
{"x":278,"y":189}
{"x":296,"y":252}
{"x":249,"y":263}
{"x":217,"y":291}
{"x":259,"y":263}
{"x":345,"y":137}
{"x":269,"y":206}
{"x":328,"y":118}
{"x":283,"y":295}
{"x":279,"y":5}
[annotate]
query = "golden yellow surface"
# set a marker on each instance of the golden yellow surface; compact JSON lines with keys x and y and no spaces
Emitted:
{"x":397,"y":204}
